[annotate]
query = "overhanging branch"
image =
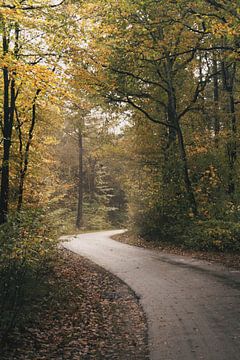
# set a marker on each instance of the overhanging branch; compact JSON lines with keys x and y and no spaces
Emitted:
{"x":32,"y":7}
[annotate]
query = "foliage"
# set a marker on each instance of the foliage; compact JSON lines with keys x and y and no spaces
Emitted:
{"x":173,"y":65}
{"x":104,"y":205}
{"x":152,"y":90}
{"x":170,"y":70}
{"x":27,"y":248}
{"x":212,"y":235}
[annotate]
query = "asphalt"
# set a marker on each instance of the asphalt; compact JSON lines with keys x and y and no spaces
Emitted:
{"x":192,"y":307}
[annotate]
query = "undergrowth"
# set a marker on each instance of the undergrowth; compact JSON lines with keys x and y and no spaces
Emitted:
{"x":27,"y":253}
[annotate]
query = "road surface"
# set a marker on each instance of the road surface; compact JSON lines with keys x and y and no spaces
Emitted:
{"x":192,"y":306}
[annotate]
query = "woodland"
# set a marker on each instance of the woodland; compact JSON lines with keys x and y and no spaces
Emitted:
{"x":115,"y":114}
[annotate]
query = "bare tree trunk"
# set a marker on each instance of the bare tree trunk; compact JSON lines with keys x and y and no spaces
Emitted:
{"x":232,"y":145}
{"x":216,"y":124}
{"x":9,"y":100}
{"x":25,"y":157}
{"x":228,"y":76}
{"x":8,"y":110}
{"x":79,"y":220}
{"x":174,"y":120}
{"x":187,"y":181}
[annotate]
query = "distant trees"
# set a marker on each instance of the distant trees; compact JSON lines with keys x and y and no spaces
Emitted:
{"x":92,"y":192}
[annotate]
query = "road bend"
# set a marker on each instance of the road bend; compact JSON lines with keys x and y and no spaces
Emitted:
{"x":192,"y":306}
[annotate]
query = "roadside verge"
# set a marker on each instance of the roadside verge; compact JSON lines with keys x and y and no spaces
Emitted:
{"x":86,"y":313}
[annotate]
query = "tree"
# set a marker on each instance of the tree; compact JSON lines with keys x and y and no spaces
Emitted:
{"x":163,"y":61}
{"x":28,"y":60}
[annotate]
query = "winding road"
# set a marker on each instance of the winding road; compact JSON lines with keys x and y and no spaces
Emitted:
{"x":192,"y":307}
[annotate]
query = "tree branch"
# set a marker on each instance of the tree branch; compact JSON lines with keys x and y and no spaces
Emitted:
{"x":32,"y":7}
{"x":128,"y":100}
{"x":219,"y":6}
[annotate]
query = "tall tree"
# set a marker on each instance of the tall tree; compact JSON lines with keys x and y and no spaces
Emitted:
{"x":25,"y":45}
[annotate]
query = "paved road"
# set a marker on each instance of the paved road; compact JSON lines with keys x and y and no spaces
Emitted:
{"x":192,"y":307}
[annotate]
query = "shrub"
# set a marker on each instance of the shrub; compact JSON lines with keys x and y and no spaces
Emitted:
{"x":213,"y":235}
{"x":26,"y":248}
{"x":207,"y":235}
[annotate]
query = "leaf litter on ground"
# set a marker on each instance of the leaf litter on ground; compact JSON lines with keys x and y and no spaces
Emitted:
{"x":86,"y":314}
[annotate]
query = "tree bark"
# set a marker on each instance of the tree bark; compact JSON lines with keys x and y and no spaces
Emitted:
{"x":8,"y":117}
{"x":228,"y":77}
{"x":25,"y":157}
{"x":216,"y":124}
{"x":79,"y":220}
{"x":9,"y":100}
{"x":174,"y":120}
{"x":187,"y":181}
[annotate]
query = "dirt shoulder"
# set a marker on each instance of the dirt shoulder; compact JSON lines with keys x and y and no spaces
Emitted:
{"x":229,"y":260}
{"x":88,"y":314}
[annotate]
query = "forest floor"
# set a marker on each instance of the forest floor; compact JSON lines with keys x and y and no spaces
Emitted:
{"x":87,"y":314}
{"x":230,"y":260}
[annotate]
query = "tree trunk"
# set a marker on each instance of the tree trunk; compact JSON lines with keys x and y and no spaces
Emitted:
{"x":25,"y":158}
{"x":8,"y":108}
{"x":228,"y":76}
{"x":174,"y":120}
{"x":9,"y":99}
{"x":172,"y":133}
{"x":187,"y":181}
{"x":79,"y":220}
{"x":232,"y":146}
{"x":216,"y":124}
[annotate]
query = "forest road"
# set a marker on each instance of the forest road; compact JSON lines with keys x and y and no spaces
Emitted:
{"x":192,"y":307}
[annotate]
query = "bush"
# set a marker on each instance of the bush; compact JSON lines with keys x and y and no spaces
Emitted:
{"x":213,"y":235}
{"x":25,"y":252}
{"x":166,"y":224}
{"x":207,"y":235}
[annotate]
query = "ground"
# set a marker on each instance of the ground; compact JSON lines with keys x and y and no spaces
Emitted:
{"x":90,"y":315}
{"x":87,"y":313}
